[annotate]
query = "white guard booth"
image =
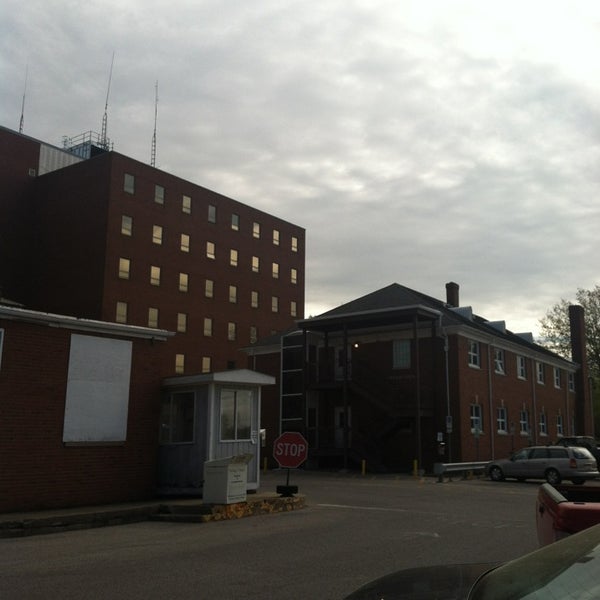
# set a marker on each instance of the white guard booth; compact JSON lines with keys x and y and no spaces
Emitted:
{"x":206,"y":418}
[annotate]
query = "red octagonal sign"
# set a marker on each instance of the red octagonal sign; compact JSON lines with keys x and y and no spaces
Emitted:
{"x":290,"y":449}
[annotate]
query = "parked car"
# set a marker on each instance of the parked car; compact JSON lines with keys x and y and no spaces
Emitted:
{"x":564,"y":570}
{"x":582,"y":441}
{"x":552,"y":463}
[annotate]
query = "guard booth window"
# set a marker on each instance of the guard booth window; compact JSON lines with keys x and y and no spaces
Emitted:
{"x":236,"y":414}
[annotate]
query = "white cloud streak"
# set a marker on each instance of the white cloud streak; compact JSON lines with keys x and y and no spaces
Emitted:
{"x":417,"y":141}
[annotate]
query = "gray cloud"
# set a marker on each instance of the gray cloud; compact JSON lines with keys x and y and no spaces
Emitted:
{"x":417,"y":142}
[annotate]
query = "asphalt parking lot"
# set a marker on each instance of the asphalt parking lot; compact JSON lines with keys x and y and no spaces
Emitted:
{"x":352,"y":530}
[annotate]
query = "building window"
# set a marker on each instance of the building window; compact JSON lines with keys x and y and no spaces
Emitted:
{"x":121,"y":314}
{"x":476,"y":420}
{"x":474,"y":358}
{"x":256,"y":230}
{"x":181,"y":322}
{"x":233,"y":258}
{"x":124,"y":268}
{"x":157,"y":234}
{"x":210,"y":250}
{"x":236,"y":414}
{"x":231,"y":331}
{"x":543,"y":424}
{"x":159,"y":194}
{"x":539,"y":369}
{"x":253,"y":334}
{"x":185,"y":242}
{"x":275,"y":270}
{"x":524,"y":422}
{"x":254,"y":299}
{"x":153,"y":317}
{"x":274,"y":304}
{"x":499,"y":361}
{"x":294,"y":244}
{"x":255,"y":264}
{"x":186,"y":204}
{"x":235,"y":222}
{"x":521,"y":367}
{"x":129,"y":183}
{"x":232,"y":294}
{"x":501,"y":419}
{"x":126,"y":225}
{"x":559,"y":425}
{"x":571,"y":382}
{"x":401,"y":356}
{"x":179,"y":363}
{"x":209,"y":288}
{"x":557,"y":377}
{"x":293,"y":308}
{"x":177,"y":418}
{"x":212,"y":213}
{"x":276,"y":237}
{"x":183,"y":282}
{"x":294,"y":276}
{"x":208,"y":326}
{"x":206,"y":364}
{"x":155,"y":275}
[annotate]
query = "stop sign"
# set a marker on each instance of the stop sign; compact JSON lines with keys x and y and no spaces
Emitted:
{"x":290,"y":449}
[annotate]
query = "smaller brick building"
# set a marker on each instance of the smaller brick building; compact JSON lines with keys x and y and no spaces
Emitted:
{"x":397,"y":377}
{"x":79,"y":407}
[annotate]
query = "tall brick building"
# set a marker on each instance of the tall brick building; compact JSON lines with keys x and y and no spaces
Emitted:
{"x":92,"y":233}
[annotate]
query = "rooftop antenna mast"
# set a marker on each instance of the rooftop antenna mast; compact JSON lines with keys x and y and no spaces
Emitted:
{"x":103,"y":138}
{"x":153,"y":154}
{"x":22,"y":121}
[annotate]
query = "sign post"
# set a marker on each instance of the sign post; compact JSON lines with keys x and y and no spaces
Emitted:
{"x":290,"y":450}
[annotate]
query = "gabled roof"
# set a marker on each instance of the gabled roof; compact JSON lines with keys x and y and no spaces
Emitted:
{"x":392,"y":299}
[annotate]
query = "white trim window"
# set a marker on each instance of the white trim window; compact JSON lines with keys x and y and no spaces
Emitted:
{"x":474,"y":354}
{"x":401,"y":354}
{"x":236,"y":415}
{"x":524,"y":422}
{"x":557,"y":378}
{"x":499,"y":361}
{"x":502,"y":420}
{"x":543,"y":424}
{"x":521,"y":367}
{"x":559,"y":425}
{"x":571,"y":382}
{"x":177,"y":418}
{"x":540,"y":372}
{"x":476,"y":418}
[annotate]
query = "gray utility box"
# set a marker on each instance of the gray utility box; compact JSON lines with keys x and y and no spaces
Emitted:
{"x":225,"y":479}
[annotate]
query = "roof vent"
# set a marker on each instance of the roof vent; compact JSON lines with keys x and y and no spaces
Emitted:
{"x":528,"y":337}
{"x":464,"y":311}
{"x":499,"y":325}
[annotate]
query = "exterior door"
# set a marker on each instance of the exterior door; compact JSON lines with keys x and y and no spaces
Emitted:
{"x":340,"y":423}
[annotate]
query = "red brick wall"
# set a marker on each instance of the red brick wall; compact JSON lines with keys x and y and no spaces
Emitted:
{"x":38,"y":470}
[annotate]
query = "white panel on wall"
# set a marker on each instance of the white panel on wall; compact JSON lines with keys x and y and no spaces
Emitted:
{"x":97,"y":390}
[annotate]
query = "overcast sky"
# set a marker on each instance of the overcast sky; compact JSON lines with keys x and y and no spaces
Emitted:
{"x":417,"y":142}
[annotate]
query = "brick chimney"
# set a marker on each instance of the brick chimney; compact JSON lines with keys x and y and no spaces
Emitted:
{"x":583,"y":411}
{"x":452,"y":294}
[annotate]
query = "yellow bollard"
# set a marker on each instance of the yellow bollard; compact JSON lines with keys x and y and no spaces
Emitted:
{"x":415,"y":468}
{"x":363,"y":469}
{"x":265,"y":465}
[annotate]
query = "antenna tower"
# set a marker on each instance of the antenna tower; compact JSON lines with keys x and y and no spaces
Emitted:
{"x":103,"y":138}
{"x":153,"y":153}
{"x":22,"y":121}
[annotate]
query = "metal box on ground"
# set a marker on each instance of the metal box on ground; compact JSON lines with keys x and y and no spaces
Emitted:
{"x":225,"y":479}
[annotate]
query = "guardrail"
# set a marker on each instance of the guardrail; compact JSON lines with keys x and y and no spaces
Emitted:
{"x":440,"y":469}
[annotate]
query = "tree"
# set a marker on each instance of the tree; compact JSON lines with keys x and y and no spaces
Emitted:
{"x":556,"y":331}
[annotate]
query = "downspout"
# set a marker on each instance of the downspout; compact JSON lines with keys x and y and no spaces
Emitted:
{"x":533,"y":439}
{"x":345,"y":394}
{"x":447,"y":369}
{"x":418,"y":394}
{"x":491,"y":407}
